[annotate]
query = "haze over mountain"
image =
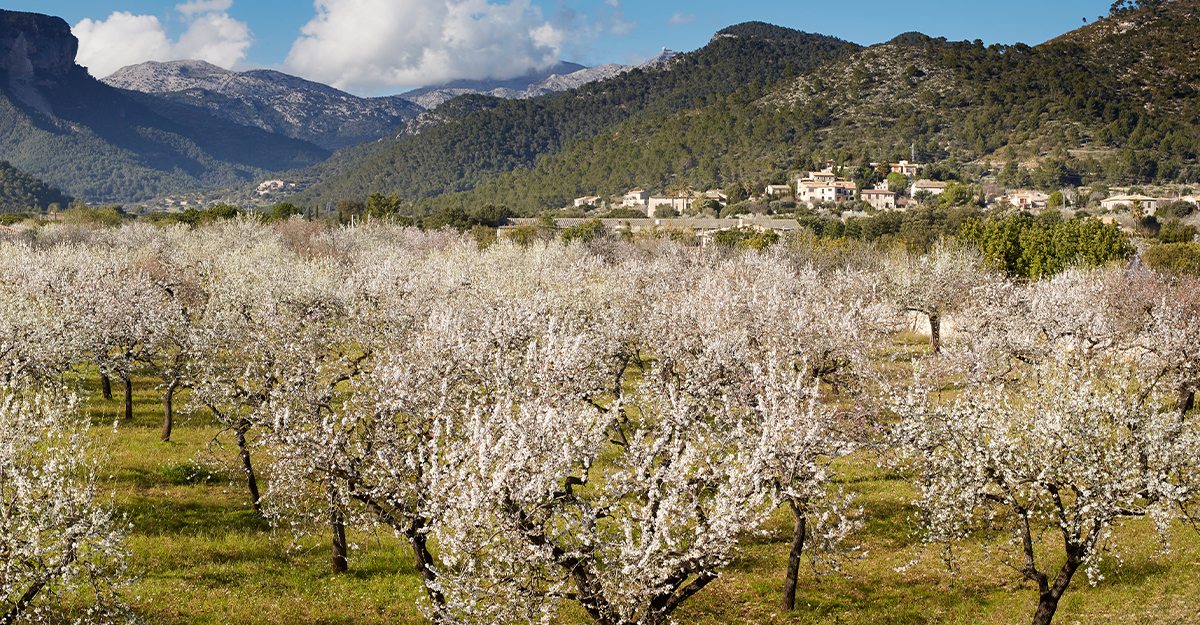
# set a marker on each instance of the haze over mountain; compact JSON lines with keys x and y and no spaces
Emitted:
{"x":559,"y":77}
{"x":100,"y":144}
{"x":270,"y":100}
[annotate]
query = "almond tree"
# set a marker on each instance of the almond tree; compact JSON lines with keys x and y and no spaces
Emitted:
{"x":936,"y":283}
{"x":58,"y":540}
{"x":763,"y":332}
{"x":1072,"y":449}
{"x":545,"y":498}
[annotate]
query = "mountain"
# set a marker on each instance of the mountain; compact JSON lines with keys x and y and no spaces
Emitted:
{"x":559,"y":77}
{"x":517,"y":134}
{"x":1090,"y":107}
{"x":102,"y":144}
{"x":20,"y":192}
{"x":659,"y":59}
{"x":270,"y":100}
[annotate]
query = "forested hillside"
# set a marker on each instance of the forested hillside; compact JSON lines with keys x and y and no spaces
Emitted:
{"x":1065,"y":109}
{"x":460,"y":156}
{"x":21,"y":192}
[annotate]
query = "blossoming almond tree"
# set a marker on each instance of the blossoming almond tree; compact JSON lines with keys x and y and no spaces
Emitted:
{"x":58,"y":540}
{"x":547,"y":499}
{"x":1072,"y":450}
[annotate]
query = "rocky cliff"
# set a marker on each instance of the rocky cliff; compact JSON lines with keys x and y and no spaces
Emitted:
{"x":36,"y":51}
{"x":37,"y":43}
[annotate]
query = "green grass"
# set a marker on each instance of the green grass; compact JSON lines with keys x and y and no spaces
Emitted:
{"x":203,"y":556}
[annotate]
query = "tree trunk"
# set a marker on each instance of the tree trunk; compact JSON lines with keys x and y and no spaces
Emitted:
{"x":935,"y":333}
{"x":1187,"y":399}
{"x":420,"y":548}
{"x":1048,"y":596}
{"x":105,"y":387}
{"x":793,"y":566}
{"x":23,"y":603}
{"x":168,"y":410}
{"x":337,"y":522}
{"x":244,"y":451}
{"x":128,"y":397}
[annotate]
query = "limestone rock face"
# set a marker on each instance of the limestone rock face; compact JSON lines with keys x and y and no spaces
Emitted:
{"x":36,"y":51}
{"x":37,"y":44}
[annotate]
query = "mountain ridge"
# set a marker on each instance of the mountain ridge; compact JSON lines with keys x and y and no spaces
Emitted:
{"x":558,"y":77}
{"x":516,"y":134}
{"x":272,"y":101}
{"x":1048,"y":116}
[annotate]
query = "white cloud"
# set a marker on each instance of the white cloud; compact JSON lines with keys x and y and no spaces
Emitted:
{"x":679,"y":19}
{"x":374,"y":45}
{"x":126,"y":39}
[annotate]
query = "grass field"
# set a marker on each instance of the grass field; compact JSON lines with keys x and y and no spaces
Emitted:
{"x":203,"y":555}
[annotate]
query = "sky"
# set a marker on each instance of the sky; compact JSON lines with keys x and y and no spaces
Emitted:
{"x":382,"y":47}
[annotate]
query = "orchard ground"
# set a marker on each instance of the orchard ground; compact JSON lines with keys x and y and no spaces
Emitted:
{"x":203,"y":556}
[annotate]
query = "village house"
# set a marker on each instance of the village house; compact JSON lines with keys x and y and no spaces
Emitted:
{"x":905,"y":167}
{"x":1028,"y":200}
{"x":844,"y":190}
{"x":820,"y":176}
{"x":589,"y":200}
{"x":879,"y":199}
{"x":272,"y":186}
{"x":777,"y":189}
{"x":718,"y":195}
{"x":635,"y":198}
{"x":679,"y":204}
{"x":934,"y":187}
{"x":811,"y":192}
{"x":1124,"y":202}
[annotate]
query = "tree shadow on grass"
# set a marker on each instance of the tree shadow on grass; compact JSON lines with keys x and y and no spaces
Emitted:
{"x":156,"y":516}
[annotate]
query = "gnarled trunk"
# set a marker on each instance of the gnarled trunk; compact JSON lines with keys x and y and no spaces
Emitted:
{"x":793,"y":567}
{"x":935,"y":333}
{"x":1187,"y":400}
{"x":105,"y":387}
{"x":1049,"y":596}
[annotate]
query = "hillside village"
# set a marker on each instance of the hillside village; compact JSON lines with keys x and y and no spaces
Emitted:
{"x":828,"y":193}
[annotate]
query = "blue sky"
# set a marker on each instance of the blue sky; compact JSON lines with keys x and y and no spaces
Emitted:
{"x":375,"y":47}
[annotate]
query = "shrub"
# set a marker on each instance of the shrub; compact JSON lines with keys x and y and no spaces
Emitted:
{"x":1178,"y":258}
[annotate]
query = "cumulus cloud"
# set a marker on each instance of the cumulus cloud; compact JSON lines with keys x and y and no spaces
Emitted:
{"x":126,"y":39}
{"x":679,"y":19}
{"x":372,"y":45}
